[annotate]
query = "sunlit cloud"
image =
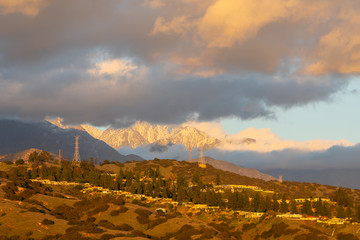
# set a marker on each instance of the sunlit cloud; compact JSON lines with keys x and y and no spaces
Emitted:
{"x":232,"y":21}
{"x":119,"y":67}
{"x":26,"y":7}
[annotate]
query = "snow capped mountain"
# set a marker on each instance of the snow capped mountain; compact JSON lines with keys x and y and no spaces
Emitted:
{"x":142,"y":133}
{"x":94,"y":132}
{"x":197,"y":135}
{"x":192,"y":138}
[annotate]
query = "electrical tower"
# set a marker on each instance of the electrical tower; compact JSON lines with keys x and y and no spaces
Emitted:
{"x":202,"y":162}
{"x":76,"y":159}
{"x":60,"y":157}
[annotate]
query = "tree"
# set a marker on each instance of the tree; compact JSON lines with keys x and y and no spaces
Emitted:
{"x":275,"y":204}
{"x":217,"y":181}
{"x":284,"y":208}
{"x":306,"y":208}
{"x":342,"y":198}
{"x":19,"y":162}
{"x":34,"y":157}
{"x":340,"y":212}
{"x":293,"y":206}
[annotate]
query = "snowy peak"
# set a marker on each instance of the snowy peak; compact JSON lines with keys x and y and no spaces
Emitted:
{"x":192,"y":138}
{"x":144,"y":133}
{"x":94,"y":132}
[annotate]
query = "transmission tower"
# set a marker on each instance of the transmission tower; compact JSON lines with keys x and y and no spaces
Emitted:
{"x":202,"y":162}
{"x":60,"y":157}
{"x":76,"y":159}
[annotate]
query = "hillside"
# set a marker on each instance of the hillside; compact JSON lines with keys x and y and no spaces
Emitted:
{"x":19,"y":135}
{"x":70,"y":209}
{"x":226,"y":166}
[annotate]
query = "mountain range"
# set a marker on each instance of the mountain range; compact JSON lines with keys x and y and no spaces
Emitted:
{"x":18,"y":135}
{"x":192,"y":136}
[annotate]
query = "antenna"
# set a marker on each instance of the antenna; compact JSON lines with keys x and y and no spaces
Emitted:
{"x":280,"y":178}
{"x":76,"y":159}
{"x":60,"y":157}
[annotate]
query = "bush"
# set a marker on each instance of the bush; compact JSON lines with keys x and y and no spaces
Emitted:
{"x":346,"y":236}
{"x":123,"y":209}
{"x":106,"y":224}
{"x":91,"y":219}
{"x":124,"y":227}
{"x":107,"y":236}
{"x":19,"y":162}
{"x":312,"y":236}
{"x":138,"y":233}
{"x":47,"y":222}
{"x":156,"y":222}
{"x":186,"y":231}
{"x":143,"y":212}
{"x":102,"y":208}
{"x":114,"y":213}
{"x":65,"y":212}
{"x":248,"y":226}
{"x":142,"y":219}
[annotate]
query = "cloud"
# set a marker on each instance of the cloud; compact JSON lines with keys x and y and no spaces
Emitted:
{"x":178,"y":25}
{"x":26,"y":7}
{"x":156,"y":148}
{"x":227,"y":22}
{"x":113,"y":67}
{"x":116,"y":62}
{"x":267,"y":141}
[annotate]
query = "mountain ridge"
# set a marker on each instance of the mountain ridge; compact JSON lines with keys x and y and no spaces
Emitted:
{"x":230,"y":167}
{"x":19,"y":135}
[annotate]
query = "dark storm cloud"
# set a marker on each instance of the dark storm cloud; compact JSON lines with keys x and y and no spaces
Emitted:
{"x":155,"y":148}
{"x":47,"y":63}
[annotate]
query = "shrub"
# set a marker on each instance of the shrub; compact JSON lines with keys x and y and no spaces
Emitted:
{"x":138,"y":233}
{"x":142,"y":219}
{"x":102,"y":208}
{"x":346,"y":236}
{"x":107,"y":236}
{"x":91,"y":219}
{"x":19,"y":162}
{"x":123,"y":209}
{"x":106,"y":224}
{"x":114,"y":213}
{"x":143,"y":212}
{"x":156,"y":222}
{"x":47,"y":222}
{"x":65,"y":212}
{"x":124,"y":227}
{"x":248,"y":226}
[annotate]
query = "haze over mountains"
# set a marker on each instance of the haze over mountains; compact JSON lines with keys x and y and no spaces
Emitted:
{"x":230,"y":167}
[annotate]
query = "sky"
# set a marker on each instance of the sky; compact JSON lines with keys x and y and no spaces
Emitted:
{"x":288,"y":65}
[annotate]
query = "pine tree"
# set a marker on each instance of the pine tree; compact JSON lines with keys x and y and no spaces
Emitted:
{"x":293,"y":207}
{"x":284,"y":208}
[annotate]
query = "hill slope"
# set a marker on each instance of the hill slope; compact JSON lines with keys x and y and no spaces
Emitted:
{"x":226,"y":166}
